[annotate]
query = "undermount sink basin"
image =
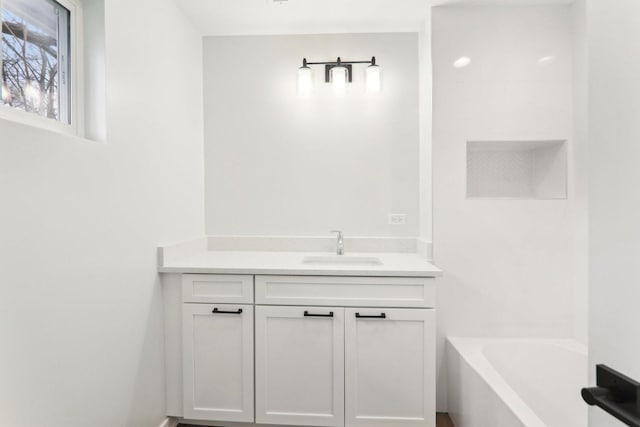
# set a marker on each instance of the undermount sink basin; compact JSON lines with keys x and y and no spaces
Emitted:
{"x":341,"y":260}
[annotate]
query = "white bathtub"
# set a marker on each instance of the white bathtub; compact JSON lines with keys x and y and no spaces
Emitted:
{"x":516,"y":382}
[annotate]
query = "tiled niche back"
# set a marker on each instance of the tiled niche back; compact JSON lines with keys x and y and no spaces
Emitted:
{"x":517,"y":169}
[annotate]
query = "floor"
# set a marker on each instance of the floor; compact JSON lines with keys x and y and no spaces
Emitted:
{"x":442,"y":420}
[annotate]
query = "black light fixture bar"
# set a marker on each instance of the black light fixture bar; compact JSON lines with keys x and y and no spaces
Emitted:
{"x":372,"y":62}
{"x":328,"y":65}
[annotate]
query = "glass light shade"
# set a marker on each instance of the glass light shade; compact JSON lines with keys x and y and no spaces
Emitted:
{"x":339,"y":79}
{"x":374,"y":79}
{"x":305,"y":80}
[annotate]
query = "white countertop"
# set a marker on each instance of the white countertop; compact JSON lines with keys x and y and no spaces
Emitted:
{"x":291,"y":263}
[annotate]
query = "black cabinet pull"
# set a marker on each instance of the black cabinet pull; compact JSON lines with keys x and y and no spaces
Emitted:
{"x":216,"y":311}
{"x":307,"y":314}
{"x":379,"y":316}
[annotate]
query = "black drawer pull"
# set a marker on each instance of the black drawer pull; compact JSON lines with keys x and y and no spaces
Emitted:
{"x":216,"y":311}
{"x":307,"y":314}
{"x":379,"y":316}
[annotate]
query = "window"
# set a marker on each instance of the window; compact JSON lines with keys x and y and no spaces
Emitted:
{"x":37,"y":60}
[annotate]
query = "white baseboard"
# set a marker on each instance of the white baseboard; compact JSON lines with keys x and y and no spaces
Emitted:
{"x":169,"y":422}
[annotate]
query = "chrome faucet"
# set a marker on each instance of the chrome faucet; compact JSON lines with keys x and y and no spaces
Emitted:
{"x":340,"y":246}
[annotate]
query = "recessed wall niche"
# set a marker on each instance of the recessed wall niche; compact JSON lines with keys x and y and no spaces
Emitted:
{"x":517,"y":169}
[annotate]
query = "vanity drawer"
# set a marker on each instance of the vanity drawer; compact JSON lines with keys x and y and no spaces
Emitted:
{"x":346,"y":291}
{"x":207,"y":288}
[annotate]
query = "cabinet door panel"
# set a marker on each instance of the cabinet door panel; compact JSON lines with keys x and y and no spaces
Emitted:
{"x":390,"y":368}
{"x":218,"y":362}
{"x":300,"y":366}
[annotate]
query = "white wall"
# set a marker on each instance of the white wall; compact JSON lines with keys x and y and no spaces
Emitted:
{"x":94,"y":126}
{"x":614,"y":200}
{"x":580,"y":207}
{"x":510,"y":265}
{"x":426,"y":130}
{"x":80,"y":302}
{"x":281,"y":164}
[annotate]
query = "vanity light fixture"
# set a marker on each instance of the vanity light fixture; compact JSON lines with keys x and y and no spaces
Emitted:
{"x":305,"y":79}
{"x":339,"y":73}
{"x":374,"y":77}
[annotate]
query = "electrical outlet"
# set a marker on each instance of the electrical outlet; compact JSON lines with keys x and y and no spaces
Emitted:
{"x":397,"y":219}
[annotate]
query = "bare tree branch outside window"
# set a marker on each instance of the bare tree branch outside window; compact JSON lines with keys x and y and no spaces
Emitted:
{"x":30,"y":56}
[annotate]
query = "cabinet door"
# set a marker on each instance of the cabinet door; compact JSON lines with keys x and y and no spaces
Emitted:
{"x":300,"y":366}
{"x":218,"y":362}
{"x":390,"y":367}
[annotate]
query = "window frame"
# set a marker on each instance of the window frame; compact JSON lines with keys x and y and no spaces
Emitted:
{"x":76,"y":92}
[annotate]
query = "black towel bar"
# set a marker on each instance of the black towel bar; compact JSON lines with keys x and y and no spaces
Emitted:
{"x":615,"y":393}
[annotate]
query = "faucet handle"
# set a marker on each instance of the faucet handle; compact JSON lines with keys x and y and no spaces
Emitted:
{"x":337,"y":231}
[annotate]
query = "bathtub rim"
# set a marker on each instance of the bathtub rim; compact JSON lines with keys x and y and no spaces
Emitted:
{"x":471,"y":351}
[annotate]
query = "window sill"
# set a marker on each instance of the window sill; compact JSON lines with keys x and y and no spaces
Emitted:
{"x":60,"y":130}
{"x":34,"y":120}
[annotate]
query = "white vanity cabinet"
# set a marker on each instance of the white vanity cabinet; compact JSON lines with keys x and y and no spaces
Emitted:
{"x":387,"y":356}
{"x":300,"y":366}
{"x":390,"y":367}
{"x":217,"y":348}
{"x":330,"y":351}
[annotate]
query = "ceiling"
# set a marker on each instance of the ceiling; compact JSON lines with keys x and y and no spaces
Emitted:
{"x":251,"y":17}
